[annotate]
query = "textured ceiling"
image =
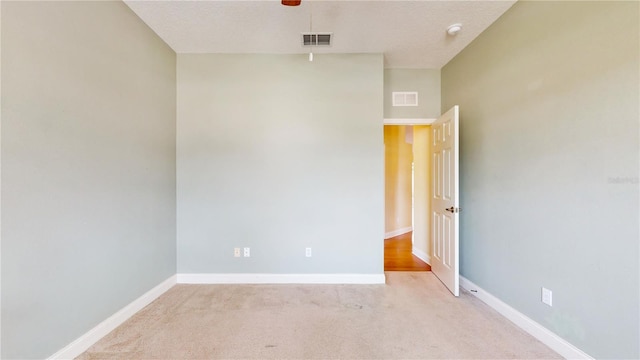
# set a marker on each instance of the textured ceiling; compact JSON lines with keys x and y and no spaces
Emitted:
{"x":410,"y":34}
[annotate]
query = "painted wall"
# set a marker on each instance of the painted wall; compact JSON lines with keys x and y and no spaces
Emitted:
{"x":422,"y":190}
{"x":88,"y":169}
{"x":277,"y":153}
{"x":549,"y":105}
{"x":425,"y":81}
{"x":398,"y":156}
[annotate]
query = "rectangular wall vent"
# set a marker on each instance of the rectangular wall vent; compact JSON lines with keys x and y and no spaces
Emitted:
{"x":405,"y":98}
{"x":316,"y":39}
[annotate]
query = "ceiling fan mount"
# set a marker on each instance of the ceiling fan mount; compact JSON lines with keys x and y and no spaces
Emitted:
{"x":291,"y":2}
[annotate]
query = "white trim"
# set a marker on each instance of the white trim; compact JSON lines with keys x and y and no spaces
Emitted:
{"x":417,"y":121}
{"x":85,"y":341}
{"x":398,"y":232}
{"x":281,"y":278}
{"x":546,"y":336}
{"x":421,"y":255}
{"x":0,"y":184}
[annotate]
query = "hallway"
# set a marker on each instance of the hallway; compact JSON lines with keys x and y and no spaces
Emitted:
{"x":398,"y":256}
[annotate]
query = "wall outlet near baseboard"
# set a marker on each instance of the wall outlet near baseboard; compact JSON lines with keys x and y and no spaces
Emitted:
{"x":247,"y":252}
{"x":307,"y":252}
{"x":236,"y":252}
{"x":547,"y":296}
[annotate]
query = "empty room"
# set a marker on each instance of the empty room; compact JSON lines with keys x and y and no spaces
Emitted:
{"x":209,"y":179}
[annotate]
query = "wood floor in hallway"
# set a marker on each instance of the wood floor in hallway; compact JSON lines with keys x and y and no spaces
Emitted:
{"x":398,"y":256}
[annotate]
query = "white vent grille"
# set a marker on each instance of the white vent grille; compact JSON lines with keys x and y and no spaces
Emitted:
{"x":316,"y":39}
{"x":405,"y":98}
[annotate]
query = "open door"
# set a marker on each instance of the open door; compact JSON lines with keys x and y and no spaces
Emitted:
{"x":445,"y":200}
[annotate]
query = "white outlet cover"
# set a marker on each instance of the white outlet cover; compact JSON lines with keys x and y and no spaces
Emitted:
{"x":547,"y":296}
{"x":307,"y":252}
{"x":247,"y":252}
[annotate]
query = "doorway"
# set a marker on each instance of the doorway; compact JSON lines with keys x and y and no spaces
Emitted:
{"x":407,"y":197}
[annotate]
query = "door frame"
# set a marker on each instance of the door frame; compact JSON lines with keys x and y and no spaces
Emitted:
{"x":420,"y":121}
{"x":401,"y":121}
{"x":411,"y":122}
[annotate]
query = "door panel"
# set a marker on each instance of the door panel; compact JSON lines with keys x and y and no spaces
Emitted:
{"x":445,"y":200}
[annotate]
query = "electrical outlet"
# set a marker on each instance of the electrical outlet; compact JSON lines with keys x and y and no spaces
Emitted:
{"x":307,"y":252}
{"x":236,"y":252}
{"x":247,"y":252}
{"x":547,"y":296}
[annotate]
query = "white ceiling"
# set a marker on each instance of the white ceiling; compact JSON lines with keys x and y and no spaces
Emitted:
{"x":410,"y":34}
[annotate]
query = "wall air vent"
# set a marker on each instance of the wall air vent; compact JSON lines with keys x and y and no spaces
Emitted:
{"x":316,"y":39}
{"x":405,"y":98}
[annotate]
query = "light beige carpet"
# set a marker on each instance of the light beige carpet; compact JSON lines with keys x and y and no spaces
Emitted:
{"x":411,"y":317}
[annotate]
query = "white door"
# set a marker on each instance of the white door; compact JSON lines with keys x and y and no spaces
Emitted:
{"x":445,"y":200}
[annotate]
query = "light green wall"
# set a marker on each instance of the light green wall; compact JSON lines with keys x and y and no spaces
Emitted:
{"x":278,"y":153}
{"x":88,"y":169}
{"x":549,"y":105}
{"x":425,"y":81}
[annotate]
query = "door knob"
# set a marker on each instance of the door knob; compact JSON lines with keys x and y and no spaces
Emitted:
{"x":453,"y":209}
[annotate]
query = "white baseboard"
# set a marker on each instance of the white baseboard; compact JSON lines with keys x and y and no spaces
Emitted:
{"x":546,"y":336}
{"x":398,"y":232}
{"x":421,"y":255}
{"x":85,"y":341}
{"x":281,"y":278}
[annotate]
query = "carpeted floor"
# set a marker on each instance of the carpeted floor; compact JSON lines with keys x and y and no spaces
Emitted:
{"x":411,"y":317}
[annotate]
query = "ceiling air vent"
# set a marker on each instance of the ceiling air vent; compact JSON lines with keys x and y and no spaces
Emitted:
{"x":316,"y":39}
{"x":405,"y":98}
